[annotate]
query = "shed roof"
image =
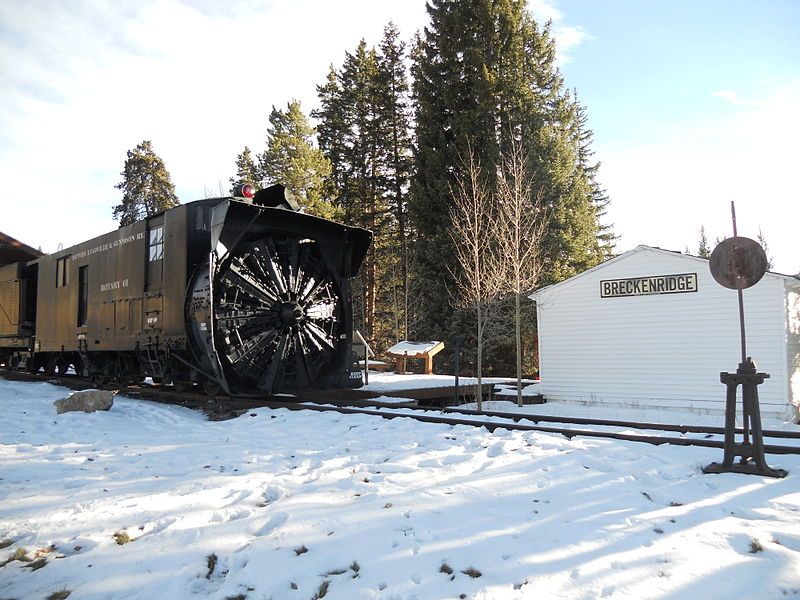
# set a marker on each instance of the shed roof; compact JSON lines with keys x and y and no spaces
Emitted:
{"x":790,"y":280}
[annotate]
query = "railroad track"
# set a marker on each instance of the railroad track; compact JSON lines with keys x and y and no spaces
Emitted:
{"x":223,"y":407}
{"x":513,"y":423}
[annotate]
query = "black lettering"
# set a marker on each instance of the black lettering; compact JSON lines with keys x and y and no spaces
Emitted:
{"x":606,"y":288}
{"x":660,"y":286}
{"x":682,"y":282}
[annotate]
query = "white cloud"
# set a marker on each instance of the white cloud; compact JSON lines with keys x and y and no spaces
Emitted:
{"x":568,"y":37}
{"x":664,"y":189}
{"x":734,"y":98}
{"x":89,"y":81}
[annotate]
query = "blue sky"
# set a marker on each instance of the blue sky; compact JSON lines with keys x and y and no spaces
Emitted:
{"x":693,"y":104}
{"x":650,"y":65}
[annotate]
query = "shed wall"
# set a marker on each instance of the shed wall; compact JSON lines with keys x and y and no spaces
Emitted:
{"x":793,"y":347}
{"x":659,"y":350}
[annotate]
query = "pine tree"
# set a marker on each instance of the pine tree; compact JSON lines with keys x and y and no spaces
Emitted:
{"x":761,"y":240}
{"x":395,"y":156}
{"x":292,"y":160}
{"x":364,"y":205}
{"x":364,"y":131}
{"x":703,"y":251}
{"x":452,"y":117}
{"x":246,"y":171}
{"x":485,"y":77}
{"x":146,"y":186}
{"x":332,"y":118}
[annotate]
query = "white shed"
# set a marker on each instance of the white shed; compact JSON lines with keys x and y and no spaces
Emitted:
{"x":652,"y":328}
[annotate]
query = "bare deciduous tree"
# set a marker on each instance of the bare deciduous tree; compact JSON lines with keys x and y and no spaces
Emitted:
{"x":480,"y":279}
{"x":521,"y":224}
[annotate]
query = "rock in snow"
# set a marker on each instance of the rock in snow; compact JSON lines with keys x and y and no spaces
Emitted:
{"x":86,"y":400}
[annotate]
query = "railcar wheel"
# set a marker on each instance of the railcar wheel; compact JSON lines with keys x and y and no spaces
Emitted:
{"x":100,"y":380}
{"x":182,"y":386}
{"x":211,"y":388}
{"x":279,"y":313}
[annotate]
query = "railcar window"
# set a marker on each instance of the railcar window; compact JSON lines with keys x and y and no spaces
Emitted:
{"x":157,"y":243}
{"x":62,"y":273}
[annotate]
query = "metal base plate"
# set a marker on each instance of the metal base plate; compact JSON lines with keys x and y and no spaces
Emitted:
{"x":746,"y":468}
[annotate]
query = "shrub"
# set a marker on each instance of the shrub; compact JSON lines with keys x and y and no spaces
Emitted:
{"x":211,"y":563}
{"x":472,"y":572}
{"x":322,"y":591}
{"x":122,"y":538}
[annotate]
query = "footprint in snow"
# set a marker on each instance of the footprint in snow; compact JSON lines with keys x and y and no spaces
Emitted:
{"x":237,"y":495}
{"x":495,"y":449}
{"x":453,"y":459}
{"x":159,"y":526}
{"x":224,"y":516}
{"x":272,"y":494}
{"x":262,"y":528}
{"x":787,"y":540}
{"x":395,"y":468}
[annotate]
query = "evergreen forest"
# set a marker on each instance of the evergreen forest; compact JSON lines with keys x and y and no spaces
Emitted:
{"x":482,"y":88}
{"x":407,"y":136}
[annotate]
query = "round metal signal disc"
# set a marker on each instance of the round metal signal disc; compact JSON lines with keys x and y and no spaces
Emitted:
{"x":738,"y":263}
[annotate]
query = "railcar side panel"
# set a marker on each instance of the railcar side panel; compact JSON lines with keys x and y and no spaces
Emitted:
{"x":93,"y":290}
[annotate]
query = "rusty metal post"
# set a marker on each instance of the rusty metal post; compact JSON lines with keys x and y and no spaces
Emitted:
{"x":739,"y":263}
{"x":752,"y":460}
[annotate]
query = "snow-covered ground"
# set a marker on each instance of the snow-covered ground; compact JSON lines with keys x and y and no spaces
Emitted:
{"x":291,"y":505}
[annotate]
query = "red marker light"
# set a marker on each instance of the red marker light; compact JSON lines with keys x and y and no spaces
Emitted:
{"x":248,"y":191}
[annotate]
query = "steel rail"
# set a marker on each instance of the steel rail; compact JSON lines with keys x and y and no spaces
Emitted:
{"x":492,"y":425}
{"x":615,"y":423}
{"x":554,"y":419}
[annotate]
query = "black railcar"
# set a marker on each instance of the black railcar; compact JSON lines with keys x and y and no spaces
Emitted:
{"x":244,"y":295}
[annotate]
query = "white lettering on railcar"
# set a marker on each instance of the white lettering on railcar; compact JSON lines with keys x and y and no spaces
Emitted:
{"x":114,"y":285}
{"x":109,"y":245}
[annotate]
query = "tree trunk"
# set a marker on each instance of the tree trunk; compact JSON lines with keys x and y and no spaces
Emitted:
{"x":518,"y":327}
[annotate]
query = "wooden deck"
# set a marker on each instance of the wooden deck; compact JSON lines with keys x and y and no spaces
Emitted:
{"x":436,"y":396}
